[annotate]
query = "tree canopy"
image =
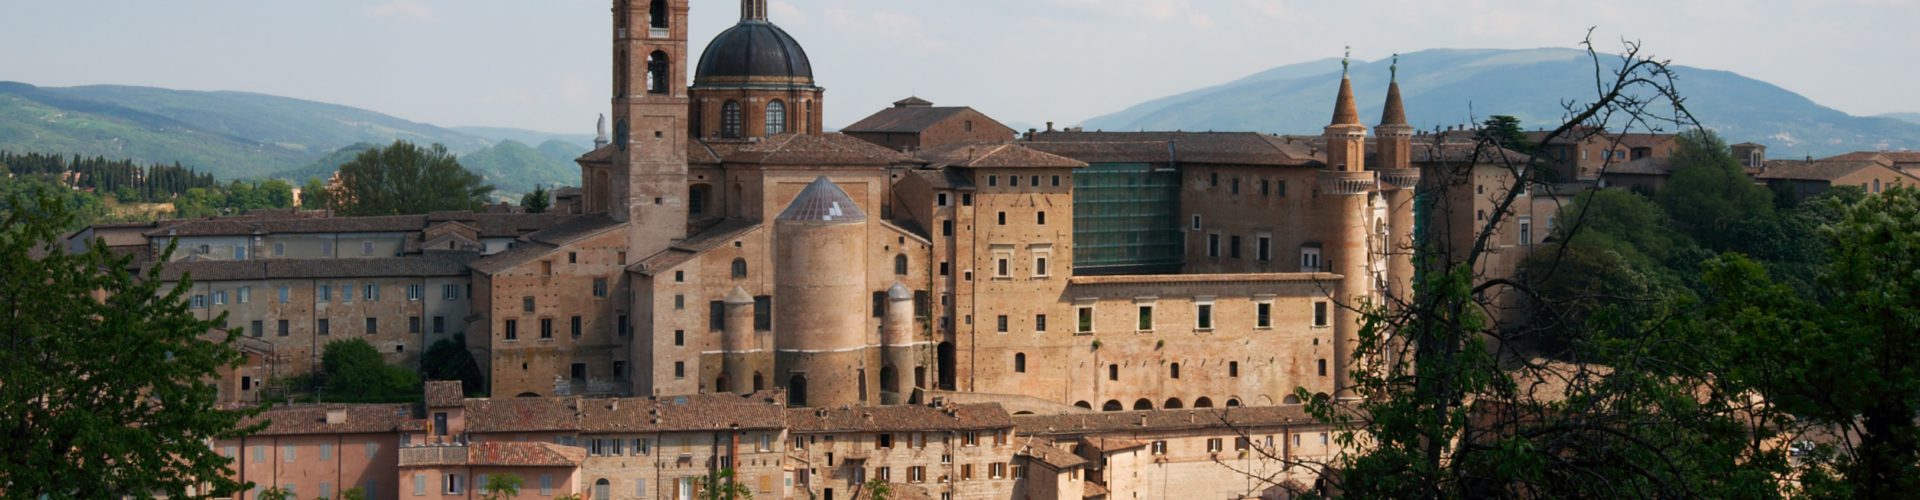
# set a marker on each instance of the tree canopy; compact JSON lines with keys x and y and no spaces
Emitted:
{"x":107,"y":374}
{"x":352,"y":371}
{"x":407,"y":179}
{"x":537,"y":201}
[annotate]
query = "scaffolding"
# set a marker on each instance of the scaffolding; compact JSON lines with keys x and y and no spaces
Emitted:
{"x":1126,"y":220}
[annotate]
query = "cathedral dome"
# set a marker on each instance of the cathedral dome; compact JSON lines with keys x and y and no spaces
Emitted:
{"x":754,"y":53}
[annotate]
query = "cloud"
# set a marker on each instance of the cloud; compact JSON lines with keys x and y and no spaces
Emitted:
{"x":404,"y":10}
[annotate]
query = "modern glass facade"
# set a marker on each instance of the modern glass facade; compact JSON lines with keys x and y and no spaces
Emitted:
{"x":1126,"y":219}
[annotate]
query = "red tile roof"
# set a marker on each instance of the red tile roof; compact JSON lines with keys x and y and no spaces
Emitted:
{"x":346,"y":419}
{"x":1004,"y":155}
{"x":898,"y":418}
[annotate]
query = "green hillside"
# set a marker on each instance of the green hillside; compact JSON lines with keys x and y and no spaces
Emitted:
{"x":230,"y":134}
{"x":326,"y":165}
{"x":1446,"y":87}
{"x":515,"y":168}
{"x":1906,"y":117}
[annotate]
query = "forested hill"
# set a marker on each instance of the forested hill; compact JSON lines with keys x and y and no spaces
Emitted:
{"x":232,"y":135}
{"x":1446,"y":87}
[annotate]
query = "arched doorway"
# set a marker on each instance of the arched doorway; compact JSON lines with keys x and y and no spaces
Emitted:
{"x":947,"y":360}
{"x":721,"y":385}
{"x":797,"y":390}
{"x":759,"y":382}
{"x":1112,"y":405}
{"x":1143,"y":404}
{"x":1202,"y":402}
{"x":1173,"y":404}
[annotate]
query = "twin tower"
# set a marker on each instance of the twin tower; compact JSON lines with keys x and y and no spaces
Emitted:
{"x":1354,"y":189}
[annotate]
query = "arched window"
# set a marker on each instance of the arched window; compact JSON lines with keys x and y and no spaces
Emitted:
{"x":776,"y":118}
{"x":602,"y":488}
{"x":730,"y":120}
{"x":1113,"y":372}
{"x":1084,"y":405}
{"x":1112,"y":405}
{"x":900,"y":264}
{"x":1143,"y":404}
{"x":1019,"y":362}
{"x":1202,"y":402}
{"x":739,"y":268}
{"x":1290,"y":400}
{"x":658,"y":73}
{"x":1174,"y":370}
{"x":1173,"y":404}
{"x":657,"y":13}
{"x":1233,"y":402}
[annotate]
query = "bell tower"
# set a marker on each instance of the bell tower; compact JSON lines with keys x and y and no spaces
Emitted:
{"x":649,"y":174}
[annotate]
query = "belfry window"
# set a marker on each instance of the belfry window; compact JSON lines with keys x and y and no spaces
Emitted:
{"x":620,"y":73}
{"x":657,"y":14}
{"x":776,"y":118}
{"x":658,"y":73}
{"x":730,"y":120}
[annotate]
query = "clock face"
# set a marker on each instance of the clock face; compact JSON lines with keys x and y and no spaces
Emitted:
{"x":620,"y":134}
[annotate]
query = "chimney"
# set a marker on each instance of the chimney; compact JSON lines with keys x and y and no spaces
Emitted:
{"x":1049,"y":126}
{"x":336,"y":417}
{"x":1143,"y":420}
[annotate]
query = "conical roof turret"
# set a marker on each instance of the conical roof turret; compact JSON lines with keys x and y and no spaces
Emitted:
{"x":899,"y":292}
{"x":739,"y":296}
{"x":1395,"y":112}
{"x":1344,"y":112}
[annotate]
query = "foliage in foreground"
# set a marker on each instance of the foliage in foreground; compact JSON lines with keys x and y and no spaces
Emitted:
{"x":107,"y":375}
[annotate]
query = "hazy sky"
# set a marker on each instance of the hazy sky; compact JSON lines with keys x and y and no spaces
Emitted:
{"x":543,"y":64}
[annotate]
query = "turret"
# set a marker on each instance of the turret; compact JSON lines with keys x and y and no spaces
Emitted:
{"x":820,"y":298}
{"x":1398,"y":180}
{"x":896,"y":339}
{"x":1345,"y":189}
{"x":742,"y":356}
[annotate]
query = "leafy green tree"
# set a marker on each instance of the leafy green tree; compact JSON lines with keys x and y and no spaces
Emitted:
{"x":314,"y":195}
{"x":407,"y":179}
{"x":1504,"y":131}
{"x":875,"y":489}
{"x":1710,"y":192}
{"x":538,"y":201}
{"x":354,"y":493}
{"x":106,"y":376}
{"x":353,"y":371}
{"x":720,"y":485}
{"x":449,"y":359}
{"x":275,"y":493}
{"x":501,"y":486}
{"x":1845,"y":362}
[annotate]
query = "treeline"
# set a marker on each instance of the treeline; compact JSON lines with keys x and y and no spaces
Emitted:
{"x":125,"y":180}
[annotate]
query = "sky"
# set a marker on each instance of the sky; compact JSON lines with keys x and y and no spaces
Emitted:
{"x":545,"y":64}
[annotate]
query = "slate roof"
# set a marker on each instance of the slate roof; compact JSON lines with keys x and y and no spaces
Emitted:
{"x":1226,"y":148}
{"x":897,"y":418}
{"x":823,"y":201}
{"x":1005,"y":155}
{"x":1159,"y":420}
{"x":432,"y":263}
{"x":360,"y":419}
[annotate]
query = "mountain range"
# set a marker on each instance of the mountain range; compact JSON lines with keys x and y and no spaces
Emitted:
{"x":241,"y":135}
{"x":1451,"y":87}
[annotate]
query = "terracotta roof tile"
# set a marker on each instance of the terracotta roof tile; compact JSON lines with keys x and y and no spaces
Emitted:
{"x":904,"y":119}
{"x":807,"y":149}
{"x":1817,"y":170}
{"x":898,"y":418}
{"x":525,"y":454}
{"x":346,"y":419}
{"x":683,"y":413}
{"x":523,"y":414}
{"x":1224,"y":148}
{"x":1005,"y":155}
{"x":1159,"y":420}
{"x":1046,"y":452}
{"x":445,"y":393}
{"x":433,"y":263}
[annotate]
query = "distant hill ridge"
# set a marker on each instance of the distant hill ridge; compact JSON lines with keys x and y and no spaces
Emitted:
{"x":239,"y":135}
{"x":1448,"y":87}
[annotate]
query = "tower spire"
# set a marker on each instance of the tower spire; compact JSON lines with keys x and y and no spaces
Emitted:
{"x":753,"y":10}
{"x":1395,"y":112}
{"x":1344,"y":112}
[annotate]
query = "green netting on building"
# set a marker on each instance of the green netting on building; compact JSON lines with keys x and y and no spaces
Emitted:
{"x":1126,"y":219}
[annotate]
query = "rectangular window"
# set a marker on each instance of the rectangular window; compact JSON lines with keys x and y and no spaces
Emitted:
{"x":220,"y":298}
{"x":239,"y":252}
{"x":574,"y":325}
{"x":600,"y":287}
{"x":1263,"y":315}
{"x":946,"y":228}
{"x":1159,"y":447}
{"x":579,"y":372}
{"x":1309,"y":259}
{"x":679,"y":302}
{"x":1203,"y":317}
{"x":966,"y":199}
{"x":1040,"y":323}
{"x":619,"y":369}
{"x":1264,"y":187}
{"x":199,"y":302}
{"x":546,"y":328}
{"x":526,"y":304}
{"x":286,"y":293}
{"x":373,"y":326}
{"x":326,"y":293}
{"x":966,"y":472}
{"x":679,"y":337}
{"x":1280,"y":188}
{"x":546,"y":485}
{"x":1263,"y":248}
{"x":282,"y":328}
{"x":1319,"y":314}
{"x":245,"y":294}
{"x":679,"y":369}
{"x":716,"y":315}
{"x":279,"y":249}
{"x":1213,"y":245}
{"x":366,"y":248}
{"x":940,"y":199}
{"x":455,"y":483}
{"x":449,"y":292}
{"x":1146,"y":318}
{"x":1526,"y":231}
{"x":373,"y":291}
{"x":326,"y":249}
{"x":1040,"y":267}
{"x":1003,"y":218}
{"x":413,"y":324}
{"x":1085,"y":323}
{"x":1234,"y":187}
{"x":625,"y":330}
{"x":1003,"y":323}
{"x":439,"y":324}
{"x":1233,"y":247}
{"x":257,"y":329}
{"x":763,"y":312}
{"x":1214,"y":445}
{"x":288,"y":453}
{"x":323,"y":327}
{"x":1041,"y":218}
{"x":1196,"y":222}
{"x":997,"y":470}
{"x":944,"y":269}
{"x":1002,"y":268}
{"x":512,"y":329}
